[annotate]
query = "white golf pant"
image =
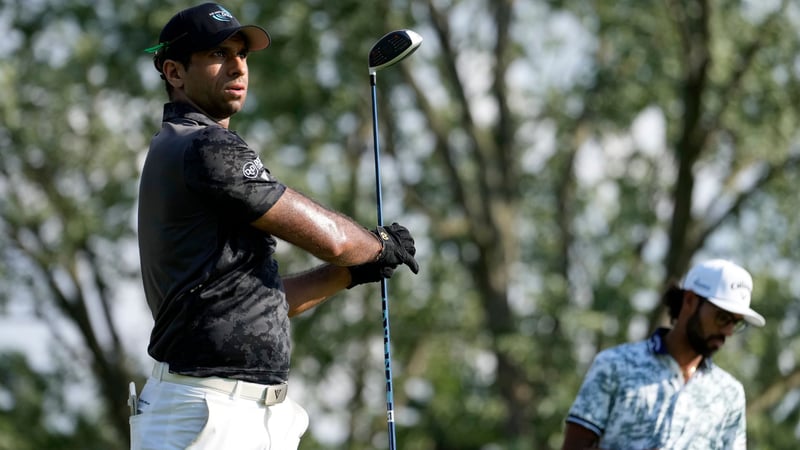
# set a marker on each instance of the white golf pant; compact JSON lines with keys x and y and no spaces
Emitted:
{"x":178,"y":416}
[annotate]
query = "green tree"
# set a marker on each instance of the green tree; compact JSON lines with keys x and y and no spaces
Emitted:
{"x":72,"y":125}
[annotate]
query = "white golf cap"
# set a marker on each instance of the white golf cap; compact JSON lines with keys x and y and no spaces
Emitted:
{"x":726,"y":285}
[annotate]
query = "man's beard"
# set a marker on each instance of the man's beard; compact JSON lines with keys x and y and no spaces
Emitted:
{"x":696,"y":340}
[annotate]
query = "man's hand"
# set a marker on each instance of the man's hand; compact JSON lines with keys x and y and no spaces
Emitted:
{"x":398,"y":248}
{"x":578,"y":437}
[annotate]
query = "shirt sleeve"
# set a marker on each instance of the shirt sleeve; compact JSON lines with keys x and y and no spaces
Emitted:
{"x":221,"y":167}
{"x":593,"y":402}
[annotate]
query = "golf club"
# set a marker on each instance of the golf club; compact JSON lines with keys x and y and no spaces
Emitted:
{"x":390,"y":49}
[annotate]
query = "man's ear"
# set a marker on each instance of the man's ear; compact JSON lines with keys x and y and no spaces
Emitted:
{"x":690,"y":301}
{"x":173,"y":72}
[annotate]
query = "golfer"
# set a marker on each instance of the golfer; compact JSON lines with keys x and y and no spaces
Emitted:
{"x":666,"y":392}
{"x":209,"y":215}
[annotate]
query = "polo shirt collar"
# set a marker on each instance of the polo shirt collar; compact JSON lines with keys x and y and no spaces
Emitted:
{"x":179,"y":110}
{"x":658,"y":346}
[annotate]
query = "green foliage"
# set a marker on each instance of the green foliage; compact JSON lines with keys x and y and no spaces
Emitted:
{"x":33,"y":414}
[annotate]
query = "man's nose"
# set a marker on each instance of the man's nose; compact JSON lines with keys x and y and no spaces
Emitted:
{"x":239,"y":66}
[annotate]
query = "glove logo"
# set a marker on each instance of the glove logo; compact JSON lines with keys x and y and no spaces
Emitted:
{"x":384,"y":235}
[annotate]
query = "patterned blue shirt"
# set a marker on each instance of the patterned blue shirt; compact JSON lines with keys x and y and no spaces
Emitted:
{"x":634,"y":397}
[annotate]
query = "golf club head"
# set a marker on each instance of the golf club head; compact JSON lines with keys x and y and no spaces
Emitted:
{"x":393,"y":48}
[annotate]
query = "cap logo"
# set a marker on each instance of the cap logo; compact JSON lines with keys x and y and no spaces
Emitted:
{"x":740,"y":285}
{"x":221,"y":15}
{"x":702,"y":285}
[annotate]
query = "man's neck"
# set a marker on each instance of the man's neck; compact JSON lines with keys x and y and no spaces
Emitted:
{"x":183,"y":99}
{"x":682,"y":352}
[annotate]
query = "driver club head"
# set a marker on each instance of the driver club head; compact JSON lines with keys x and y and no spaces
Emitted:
{"x":393,"y":48}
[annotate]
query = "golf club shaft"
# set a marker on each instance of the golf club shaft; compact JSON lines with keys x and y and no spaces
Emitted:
{"x":384,"y":291}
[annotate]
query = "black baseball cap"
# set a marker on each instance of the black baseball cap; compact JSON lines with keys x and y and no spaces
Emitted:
{"x":205,"y":26}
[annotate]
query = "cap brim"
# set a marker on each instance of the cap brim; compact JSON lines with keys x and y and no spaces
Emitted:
{"x":257,"y":37}
{"x":752,"y":317}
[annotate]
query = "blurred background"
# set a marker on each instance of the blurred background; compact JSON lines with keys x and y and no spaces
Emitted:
{"x":559,"y":162}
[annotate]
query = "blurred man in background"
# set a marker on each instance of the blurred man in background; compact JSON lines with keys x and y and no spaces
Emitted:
{"x":665,"y":392}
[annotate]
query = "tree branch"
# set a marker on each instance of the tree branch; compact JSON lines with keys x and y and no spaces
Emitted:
{"x":480,"y":217}
{"x":747,"y":58}
{"x":504,"y":129}
{"x":769,"y":172}
{"x":774,"y":393}
{"x":695,"y":32}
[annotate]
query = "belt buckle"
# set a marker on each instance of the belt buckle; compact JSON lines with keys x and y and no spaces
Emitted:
{"x":275,"y":394}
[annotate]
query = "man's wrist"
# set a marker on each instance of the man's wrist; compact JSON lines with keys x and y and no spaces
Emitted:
{"x":381,"y":236}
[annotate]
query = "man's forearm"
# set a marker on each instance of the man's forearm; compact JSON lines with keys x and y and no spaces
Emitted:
{"x":328,"y":235}
{"x":308,"y":289}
